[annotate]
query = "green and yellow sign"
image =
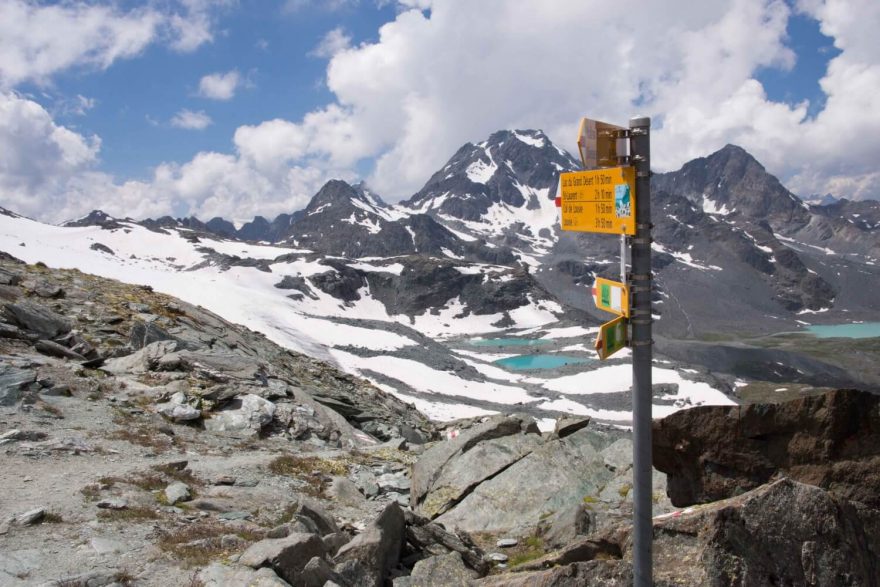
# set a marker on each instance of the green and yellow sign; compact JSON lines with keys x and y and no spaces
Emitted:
{"x":599,"y":200}
{"x":611,"y":296}
{"x":612,"y":337}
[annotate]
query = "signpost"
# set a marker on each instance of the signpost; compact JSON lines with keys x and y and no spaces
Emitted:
{"x":613,"y":196}
{"x":611,"y":296}
{"x":600,"y":200}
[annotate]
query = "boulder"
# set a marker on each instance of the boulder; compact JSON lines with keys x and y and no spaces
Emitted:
{"x":37,"y":318}
{"x":177,"y":492}
{"x":178,"y":412}
{"x":618,"y":456}
{"x":424,"y":536}
{"x":317,"y":573}
{"x":450,"y":470}
{"x":324,"y":522}
{"x":830,"y":440}
{"x":565,"y":525}
{"x":53,"y":349}
{"x":245,"y":416}
{"x":445,"y":569}
{"x":13,"y":381}
{"x":559,"y":473}
{"x":223,"y":575}
{"x":9,"y":278}
{"x":366,"y":560}
{"x":607,"y":573}
{"x":31,"y":517}
{"x":286,"y":556}
{"x":146,"y":333}
{"x":569,"y":425}
{"x":146,"y":359}
{"x":784,"y":533}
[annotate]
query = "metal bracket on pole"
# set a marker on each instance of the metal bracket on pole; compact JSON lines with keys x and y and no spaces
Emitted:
{"x":641,"y":342}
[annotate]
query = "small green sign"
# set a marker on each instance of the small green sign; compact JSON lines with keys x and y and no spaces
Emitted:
{"x":612,"y":337}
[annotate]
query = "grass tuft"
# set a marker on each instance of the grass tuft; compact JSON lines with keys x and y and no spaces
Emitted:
{"x":198,"y":544}
{"x":135,"y":514}
{"x":314,"y":472}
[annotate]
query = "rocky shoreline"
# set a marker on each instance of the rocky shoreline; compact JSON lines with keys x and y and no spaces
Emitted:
{"x":146,"y":441}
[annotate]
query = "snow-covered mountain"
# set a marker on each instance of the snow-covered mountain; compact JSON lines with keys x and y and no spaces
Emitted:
{"x":398,"y":293}
{"x":501,"y":190}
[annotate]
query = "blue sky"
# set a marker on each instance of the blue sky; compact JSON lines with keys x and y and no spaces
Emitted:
{"x":243,"y":107}
{"x":268,"y":45}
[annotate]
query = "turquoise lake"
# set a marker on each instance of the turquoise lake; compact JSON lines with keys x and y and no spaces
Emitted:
{"x":508,"y":342}
{"x":864,"y":330}
{"x":539,"y":361}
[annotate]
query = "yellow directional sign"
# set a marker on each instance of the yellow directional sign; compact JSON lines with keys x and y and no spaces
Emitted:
{"x":597,"y":142}
{"x":611,"y":296}
{"x":612,"y":337}
{"x":601,"y":200}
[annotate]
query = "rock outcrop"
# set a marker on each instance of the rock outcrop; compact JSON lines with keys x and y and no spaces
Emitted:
{"x":831,"y":441}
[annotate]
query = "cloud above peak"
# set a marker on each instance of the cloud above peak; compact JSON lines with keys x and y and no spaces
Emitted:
{"x":39,"y":40}
{"x":220,"y":86}
{"x":445,"y":72}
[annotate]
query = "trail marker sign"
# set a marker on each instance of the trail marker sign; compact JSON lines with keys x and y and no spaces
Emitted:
{"x":612,"y":337}
{"x":599,"y":200}
{"x":611,"y":296}
{"x":598,"y":143}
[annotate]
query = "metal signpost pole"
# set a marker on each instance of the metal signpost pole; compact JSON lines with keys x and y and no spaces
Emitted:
{"x":640,"y":152}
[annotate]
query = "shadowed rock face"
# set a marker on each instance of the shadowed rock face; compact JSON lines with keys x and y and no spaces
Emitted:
{"x":783,"y":533}
{"x":831,"y":441}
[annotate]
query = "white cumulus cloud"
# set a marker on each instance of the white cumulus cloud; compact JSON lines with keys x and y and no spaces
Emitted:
{"x":38,"y":40}
{"x":220,"y":86}
{"x":333,"y":42}
{"x":191,"y":120}
{"x":450,"y":71}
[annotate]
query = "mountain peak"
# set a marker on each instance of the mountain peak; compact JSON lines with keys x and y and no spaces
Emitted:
{"x":334,"y":192}
{"x":532,"y":138}
{"x":732,"y":180}
{"x":95,"y":218}
{"x":513,"y":168}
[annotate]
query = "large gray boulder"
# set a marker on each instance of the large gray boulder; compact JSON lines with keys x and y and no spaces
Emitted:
{"x":244,"y":417}
{"x":428,"y":537}
{"x":13,"y":381}
{"x":367,"y":558}
{"x":560,"y":473}
{"x":37,"y":318}
{"x":286,"y":556}
{"x":444,"y":569}
{"x":782,"y":533}
{"x":223,"y":575}
{"x":146,"y":359}
{"x":450,"y":469}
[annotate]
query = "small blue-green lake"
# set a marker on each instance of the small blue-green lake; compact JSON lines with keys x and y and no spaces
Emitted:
{"x":539,"y":361}
{"x":507,"y":342}
{"x":863,"y":330}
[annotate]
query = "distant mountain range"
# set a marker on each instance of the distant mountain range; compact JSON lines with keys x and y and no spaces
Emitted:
{"x":735,"y":253}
